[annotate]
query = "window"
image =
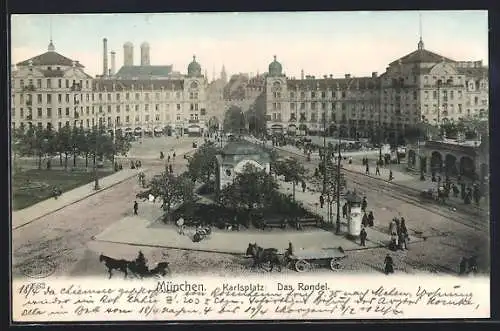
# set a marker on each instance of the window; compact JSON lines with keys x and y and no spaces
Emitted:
{"x":127,"y":119}
{"x":49,"y":84}
{"x":127,"y":108}
{"x":302,"y":106}
{"x":191,"y":107}
{"x":39,"y":83}
{"x":39,"y":112}
{"x":343,"y":94}
{"x":59,"y":112}
{"x":67,"y":97}
{"x":147,"y":96}
{"x":118,"y":120}
{"x":292,"y":106}
{"x":109,"y":109}
{"x":313,"y":105}
{"x":147,"y":118}
{"x":157,"y":96}
{"x":59,"y":98}
{"x":117,"y":96}
{"x":39,"y":98}
{"x":67,"y":83}
{"x":49,"y":98}
{"x":49,"y":112}
{"x":87,"y":86}
{"x":127,"y":96}
{"x":109,"y":96}
{"x":415,"y":95}
{"x":67,"y":111}
{"x":21,"y":113}
{"x":178,"y":117}
{"x":323,"y":106}
{"x":292,"y":95}
{"x":146,"y":107}
{"x":157,"y":117}
{"x":195,"y":106}
{"x":434,"y":95}
{"x":118,"y":108}
{"x":302,"y":95}
{"x":157,"y":107}
{"x":460,"y":108}
{"x":136,"y":107}
{"x":137,"y":96}
{"x":178,"y":95}
{"x":59,"y":83}
{"x":178,"y":106}
{"x":323,"y":94}
{"x":87,"y":110}
{"x":451,"y":95}
{"x":476,"y":100}
{"x":313,"y":95}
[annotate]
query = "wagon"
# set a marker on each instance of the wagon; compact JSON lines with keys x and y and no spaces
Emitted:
{"x":304,"y":260}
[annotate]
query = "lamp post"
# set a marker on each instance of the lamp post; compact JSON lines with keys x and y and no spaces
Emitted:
{"x":337,"y":228}
{"x":324,"y":153}
{"x":96,"y":177}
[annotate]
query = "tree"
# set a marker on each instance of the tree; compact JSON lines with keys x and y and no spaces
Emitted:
{"x":64,"y":144}
{"x":171,"y":189}
{"x":234,"y":120}
{"x":78,"y":142}
{"x":257,"y":115}
{"x":203,"y":164}
{"x":253,"y":188}
{"x":292,"y":170}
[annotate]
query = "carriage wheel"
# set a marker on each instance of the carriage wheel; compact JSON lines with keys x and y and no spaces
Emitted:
{"x":334,"y":265}
{"x":302,"y":266}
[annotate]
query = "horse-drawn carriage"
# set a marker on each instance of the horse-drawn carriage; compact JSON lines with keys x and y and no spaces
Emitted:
{"x":304,"y":260}
{"x":301,"y":261}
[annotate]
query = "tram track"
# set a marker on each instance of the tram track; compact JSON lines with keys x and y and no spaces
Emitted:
{"x":412,"y":197}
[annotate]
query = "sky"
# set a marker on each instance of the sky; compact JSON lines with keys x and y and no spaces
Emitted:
{"x":319,"y":43}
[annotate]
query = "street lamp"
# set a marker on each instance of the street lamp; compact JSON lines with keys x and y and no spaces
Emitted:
{"x":337,"y":229}
{"x":96,"y":177}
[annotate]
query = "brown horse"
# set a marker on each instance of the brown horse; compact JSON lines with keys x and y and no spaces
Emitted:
{"x":261,"y":256}
{"x":114,"y":264}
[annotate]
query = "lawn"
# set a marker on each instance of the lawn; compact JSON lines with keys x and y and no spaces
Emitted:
{"x":33,"y":185}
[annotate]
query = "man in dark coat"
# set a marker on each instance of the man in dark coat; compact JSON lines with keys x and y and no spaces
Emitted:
{"x":371,"y":219}
{"x":303,"y":186}
{"x":364,"y":220}
{"x":389,"y":265}
{"x":344,"y":210}
{"x":364,"y":204}
{"x":136,"y":207}
{"x":362,"y":237}
{"x":321,"y":201}
{"x":377,"y":170}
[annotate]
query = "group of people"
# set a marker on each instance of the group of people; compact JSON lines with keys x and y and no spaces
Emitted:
{"x":135,"y":164}
{"x":466,"y":192}
{"x":467,"y":266}
{"x":399,"y":234}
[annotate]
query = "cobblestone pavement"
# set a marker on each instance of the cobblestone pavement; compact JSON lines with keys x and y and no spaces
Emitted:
{"x":67,"y":238}
{"x":61,"y":237}
{"x":446,"y":241}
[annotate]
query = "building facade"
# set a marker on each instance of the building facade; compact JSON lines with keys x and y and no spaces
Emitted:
{"x":51,"y":90}
{"x":419,"y":86}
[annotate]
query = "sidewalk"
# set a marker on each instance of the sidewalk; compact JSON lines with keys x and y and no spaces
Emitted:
{"x":43,"y":208}
{"x":310,"y":201}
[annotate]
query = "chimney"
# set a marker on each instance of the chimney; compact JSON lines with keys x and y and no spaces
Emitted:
{"x":113,"y":63}
{"x":374,"y":74}
{"x":347,"y":76}
{"x":105,"y":57}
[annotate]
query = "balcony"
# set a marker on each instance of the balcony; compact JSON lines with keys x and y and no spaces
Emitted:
{"x":75,"y":87}
{"x":193,"y":121}
{"x":29,"y":102}
{"x":29,"y":88}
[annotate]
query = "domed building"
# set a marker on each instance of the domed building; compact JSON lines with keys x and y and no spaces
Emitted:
{"x":194,"y":68}
{"x":275,"y":68}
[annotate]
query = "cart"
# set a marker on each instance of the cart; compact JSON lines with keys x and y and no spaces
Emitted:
{"x":304,"y":260}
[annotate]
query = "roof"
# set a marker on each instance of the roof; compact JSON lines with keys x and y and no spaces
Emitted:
{"x":126,"y":84}
{"x":143,"y":71}
{"x":334,"y":83}
{"x":481,"y":72}
{"x":242,"y":148}
{"x":421,"y":56}
{"x":50,"y":58}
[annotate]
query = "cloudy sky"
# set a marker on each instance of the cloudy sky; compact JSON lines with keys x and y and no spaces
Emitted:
{"x":318,"y":42}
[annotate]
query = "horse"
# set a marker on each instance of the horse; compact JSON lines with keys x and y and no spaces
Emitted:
{"x":261,"y":256}
{"x":161,"y":268}
{"x":114,"y":264}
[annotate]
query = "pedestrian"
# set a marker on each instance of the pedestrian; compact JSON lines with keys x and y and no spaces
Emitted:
{"x":173,"y":155}
{"x":472,"y":267}
{"x":390,"y":175}
{"x":476,"y":194}
{"x":371,"y":219}
{"x":132,"y":165}
{"x":364,"y":221}
{"x":367,"y":171}
{"x":180,"y":226}
{"x":377,"y":170}
{"x":321,"y":201}
{"x":462,"y":267}
{"x":389,"y":265}
{"x":168,"y":159}
{"x":455,"y":190}
{"x":463,"y":190}
{"x":362,"y":236}
{"x":364,"y":204}
{"x":350,"y":159}
{"x":136,"y":207}
{"x":344,"y":210}
{"x":170,"y":169}
{"x":303,"y":186}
